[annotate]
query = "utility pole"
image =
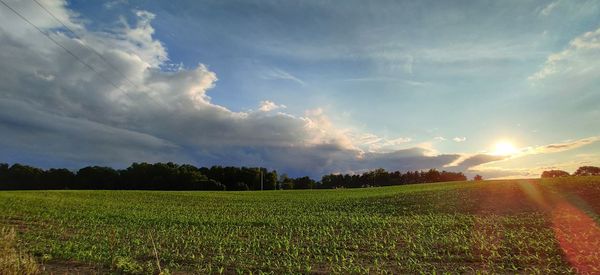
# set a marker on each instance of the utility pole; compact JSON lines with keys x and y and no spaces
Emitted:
{"x":261,"y":180}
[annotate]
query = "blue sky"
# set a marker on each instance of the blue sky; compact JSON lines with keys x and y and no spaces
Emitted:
{"x":397,"y":69}
{"x":382,"y":77}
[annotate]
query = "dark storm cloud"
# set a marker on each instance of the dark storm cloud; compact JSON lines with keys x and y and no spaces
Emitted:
{"x":67,"y":140}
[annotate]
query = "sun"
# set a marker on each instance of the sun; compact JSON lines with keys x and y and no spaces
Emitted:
{"x":504,"y":148}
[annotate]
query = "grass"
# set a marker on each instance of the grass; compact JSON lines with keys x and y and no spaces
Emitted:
{"x":524,"y":226}
{"x":12,"y":260}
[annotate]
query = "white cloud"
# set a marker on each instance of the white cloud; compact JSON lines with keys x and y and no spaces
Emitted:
{"x":459,"y":139}
{"x":167,"y":105}
{"x":267,"y":106}
{"x":581,"y":59}
{"x":548,"y":9}
{"x":275,"y":73}
{"x":439,"y":138}
{"x":400,"y":140}
{"x":47,"y":77}
{"x":372,"y":143}
{"x":560,"y":147}
{"x":111,"y":4}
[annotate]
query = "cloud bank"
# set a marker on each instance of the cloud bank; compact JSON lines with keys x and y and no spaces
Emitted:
{"x":55,"y":110}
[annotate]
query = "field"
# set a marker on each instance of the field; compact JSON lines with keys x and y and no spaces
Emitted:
{"x":525,"y":226}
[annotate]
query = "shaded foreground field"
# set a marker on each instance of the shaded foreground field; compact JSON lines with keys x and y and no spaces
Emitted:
{"x":543,"y":226}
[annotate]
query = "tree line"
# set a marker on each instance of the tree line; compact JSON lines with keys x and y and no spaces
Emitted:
{"x":581,"y":171}
{"x":138,"y":176}
{"x":171,"y":176}
{"x":381,"y":177}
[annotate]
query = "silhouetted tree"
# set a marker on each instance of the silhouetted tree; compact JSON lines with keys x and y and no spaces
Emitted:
{"x":97,"y":177}
{"x":4,"y":177}
{"x":587,"y":171}
{"x":554,"y":174}
{"x":477,"y":178}
{"x":166,"y":176}
{"x":171,"y":176}
{"x":380,"y":177}
{"x":452,"y":176}
{"x":23,"y":177}
{"x":304,"y":183}
{"x":58,"y":179}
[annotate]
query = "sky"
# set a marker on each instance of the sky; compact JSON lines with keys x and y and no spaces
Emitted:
{"x":505,"y":89}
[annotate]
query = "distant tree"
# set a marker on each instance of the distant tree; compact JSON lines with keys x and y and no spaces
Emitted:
{"x":250,"y":176}
{"x":190,"y":178}
{"x":58,"y":179}
{"x":270,"y":179}
{"x":286,"y":182}
{"x":328,"y":181}
{"x":432,"y":176}
{"x":304,"y":183}
{"x":23,"y":177}
{"x":97,"y":177}
{"x":4,"y":176}
{"x":554,"y":174}
{"x":587,"y":171}
{"x":381,"y":177}
{"x":478,"y":178}
{"x":452,"y":176}
{"x":171,"y":176}
{"x":166,"y":176}
{"x":4,"y":168}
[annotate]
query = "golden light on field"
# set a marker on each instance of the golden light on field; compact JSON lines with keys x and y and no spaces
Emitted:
{"x":504,"y":148}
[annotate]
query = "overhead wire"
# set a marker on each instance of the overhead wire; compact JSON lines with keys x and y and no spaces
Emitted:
{"x":71,"y":53}
{"x":84,"y":45}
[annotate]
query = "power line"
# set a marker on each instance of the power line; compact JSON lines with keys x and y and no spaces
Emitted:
{"x":64,"y":48}
{"x":84,"y":45}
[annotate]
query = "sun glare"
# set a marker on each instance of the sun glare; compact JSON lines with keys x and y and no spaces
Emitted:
{"x":504,"y":148}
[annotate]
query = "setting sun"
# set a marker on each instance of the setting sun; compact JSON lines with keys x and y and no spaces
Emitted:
{"x":504,"y":148}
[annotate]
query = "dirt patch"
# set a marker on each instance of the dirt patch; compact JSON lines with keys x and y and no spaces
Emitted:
{"x":71,"y":267}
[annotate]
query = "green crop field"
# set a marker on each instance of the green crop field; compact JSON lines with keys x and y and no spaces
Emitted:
{"x":524,"y":226}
